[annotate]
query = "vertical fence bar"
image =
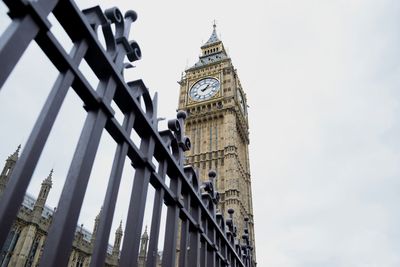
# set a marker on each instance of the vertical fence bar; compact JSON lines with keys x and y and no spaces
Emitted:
{"x":62,"y":230}
{"x":14,"y":42}
{"x":203,"y":253}
{"x":184,"y":234}
{"x":22,"y":173}
{"x":171,"y":230}
{"x":22,"y":30}
{"x":211,"y":251}
{"x":110,"y":200}
{"x":156,"y":218}
{"x":134,"y":223}
{"x":194,"y":239}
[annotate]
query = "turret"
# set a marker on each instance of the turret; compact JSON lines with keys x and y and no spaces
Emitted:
{"x":96,"y":226}
{"x":8,"y":168}
{"x":42,"y":197}
{"x":143,"y":248}
{"x":117,"y":241}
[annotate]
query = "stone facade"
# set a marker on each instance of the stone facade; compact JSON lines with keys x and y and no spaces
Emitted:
{"x":25,"y":241}
{"x":217,"y":124}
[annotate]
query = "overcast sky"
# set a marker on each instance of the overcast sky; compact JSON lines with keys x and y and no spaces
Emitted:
{"x":322,"y":82}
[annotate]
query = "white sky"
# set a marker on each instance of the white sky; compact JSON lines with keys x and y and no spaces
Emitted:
{"x":322,"y":82}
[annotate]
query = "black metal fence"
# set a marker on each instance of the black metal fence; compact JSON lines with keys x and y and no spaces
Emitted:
{"x":205,"y":238}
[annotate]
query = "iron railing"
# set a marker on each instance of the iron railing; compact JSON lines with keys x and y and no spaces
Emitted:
{"x":205,"y":238}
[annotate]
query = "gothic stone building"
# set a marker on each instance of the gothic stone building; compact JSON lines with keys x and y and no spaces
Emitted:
{"x":144,"y":241}
{"x":217,"y":124}
{"x":25,"y":241}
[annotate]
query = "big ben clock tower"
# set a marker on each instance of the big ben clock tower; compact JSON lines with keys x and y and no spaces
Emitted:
{"x":217,"y":124}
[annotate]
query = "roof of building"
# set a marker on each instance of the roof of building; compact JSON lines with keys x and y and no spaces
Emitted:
{"x":14,"y":156}
{"x":29,"y":202}
{"x":214,"y":37}
{"x":213,"y":57}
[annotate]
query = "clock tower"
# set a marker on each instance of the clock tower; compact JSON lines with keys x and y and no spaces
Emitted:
{"x":217,"y":124}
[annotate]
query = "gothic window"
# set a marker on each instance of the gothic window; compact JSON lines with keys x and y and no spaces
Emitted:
{"x":216,"y":137}
{"x":8,"y":247}
{"x":198,"y":139}
{"x":80,"y":261}
{"x":32,"y":252}
{"x":44,"y":192}
{"x":193,"y":139}
{"x":8,"y":240}
{"x":210,"y":137}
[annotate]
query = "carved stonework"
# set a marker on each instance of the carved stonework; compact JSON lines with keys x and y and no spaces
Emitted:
{"x":217,"y":125}
{"x":29,"y":231}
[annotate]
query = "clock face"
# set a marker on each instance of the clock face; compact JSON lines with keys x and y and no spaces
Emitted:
{"x":204,"y":89}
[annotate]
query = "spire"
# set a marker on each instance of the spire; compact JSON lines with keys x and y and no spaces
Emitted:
{"x":145,"y":235}
{"x":143,"y":248}
{"x":48,"y":180}
{"x":119,"y":229}
{"x":214,"y":37}
{"x":42,"y":198}
{"x":96,"y":225}
{"x":212,"y":51}
{"x":99,"y":214}
{"x":7,"y":169}
{"x":117,"y":240}
{"x":46,"y":186}
{"x":15,"y":155}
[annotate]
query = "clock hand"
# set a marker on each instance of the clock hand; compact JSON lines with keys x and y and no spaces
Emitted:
{"x":205,"y":88}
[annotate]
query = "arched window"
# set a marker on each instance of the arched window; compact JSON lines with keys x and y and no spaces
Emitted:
{"x":32,"y":252}
{"x":80,"y":261}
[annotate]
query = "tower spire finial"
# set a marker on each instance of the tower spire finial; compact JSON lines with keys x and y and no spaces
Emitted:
{"x":214,"y":37}
{"x":15,"y":155}
{"x":119,"y":229}
{"x":48,"y":179}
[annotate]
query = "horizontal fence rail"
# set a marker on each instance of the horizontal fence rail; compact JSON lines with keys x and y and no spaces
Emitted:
{"x":194,"y":227}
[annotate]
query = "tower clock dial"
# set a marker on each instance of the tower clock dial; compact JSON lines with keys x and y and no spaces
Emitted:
{"x":204,"y":89}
